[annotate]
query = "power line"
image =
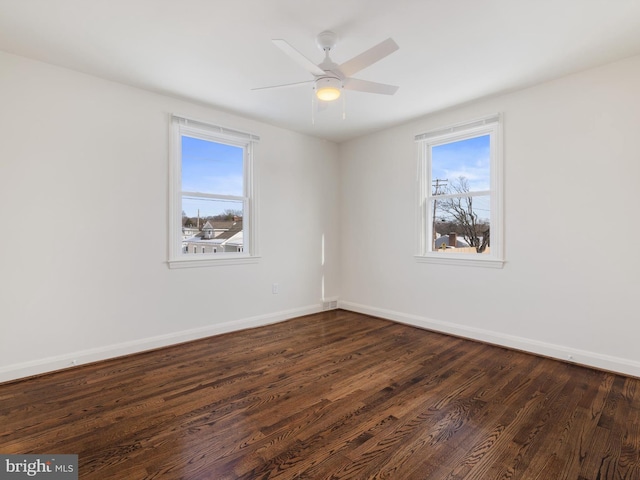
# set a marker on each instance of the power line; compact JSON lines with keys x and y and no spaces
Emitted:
{"x":436,"y":184}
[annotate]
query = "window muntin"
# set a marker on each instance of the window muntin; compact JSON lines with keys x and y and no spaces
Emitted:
{"x":212,"y":210}
{"x":460,"y":200}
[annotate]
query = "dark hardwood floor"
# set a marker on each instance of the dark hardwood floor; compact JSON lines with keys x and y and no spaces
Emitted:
{"x":335,"y":395}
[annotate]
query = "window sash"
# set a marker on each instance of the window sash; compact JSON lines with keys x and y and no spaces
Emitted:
{"x":213,"y":196}
{"x":459,"y":195}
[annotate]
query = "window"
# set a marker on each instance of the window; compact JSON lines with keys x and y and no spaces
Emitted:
{"x":460,"y":199}
{"x":212,"y":200}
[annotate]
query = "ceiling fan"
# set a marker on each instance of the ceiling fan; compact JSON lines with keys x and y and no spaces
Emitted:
{"x":330,"y":78}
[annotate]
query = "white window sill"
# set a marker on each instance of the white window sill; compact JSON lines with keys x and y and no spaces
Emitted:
{"x":210,"y":261}
{"x":460,"y":260}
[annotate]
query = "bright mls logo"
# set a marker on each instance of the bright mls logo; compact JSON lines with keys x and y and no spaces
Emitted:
{"x":50,"y":467}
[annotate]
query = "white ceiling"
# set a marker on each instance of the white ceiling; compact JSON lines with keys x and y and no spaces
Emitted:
{"x":215,"y":51}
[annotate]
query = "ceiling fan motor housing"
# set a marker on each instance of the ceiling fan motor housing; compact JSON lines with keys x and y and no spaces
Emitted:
{"x":326,"y":40}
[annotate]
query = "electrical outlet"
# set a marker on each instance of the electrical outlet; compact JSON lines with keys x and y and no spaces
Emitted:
{"x":275,"y":288}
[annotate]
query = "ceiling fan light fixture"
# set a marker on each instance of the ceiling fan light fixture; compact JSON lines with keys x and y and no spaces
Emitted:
{"x":328,"y":89}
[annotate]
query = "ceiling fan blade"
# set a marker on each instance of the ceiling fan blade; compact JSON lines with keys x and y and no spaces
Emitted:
{"x":369,"y":87}
{"x":285,"y":85}
{"x":368,"y":57}
{"x":298,"y":57}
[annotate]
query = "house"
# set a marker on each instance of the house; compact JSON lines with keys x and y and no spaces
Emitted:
{"x":336,"y":205}
{"x":216,"y":237}
{"x":450,"y":241}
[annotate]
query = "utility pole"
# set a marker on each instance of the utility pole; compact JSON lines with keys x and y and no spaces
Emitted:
{"x":437,"y":184}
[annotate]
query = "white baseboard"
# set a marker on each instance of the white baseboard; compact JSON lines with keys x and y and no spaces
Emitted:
{"x":581,"y":357}
{"x":50,"y":364}
{"x":560,"y":352}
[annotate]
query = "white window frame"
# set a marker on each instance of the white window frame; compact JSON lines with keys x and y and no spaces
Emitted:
{"x":490,"y":125}
{"x":198,"y":129}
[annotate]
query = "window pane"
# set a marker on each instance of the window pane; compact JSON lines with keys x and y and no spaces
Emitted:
{"x":461,"y":225}
{"x":211,"y":226}
{"x":211,"y":167}
{"x":469,"y":159}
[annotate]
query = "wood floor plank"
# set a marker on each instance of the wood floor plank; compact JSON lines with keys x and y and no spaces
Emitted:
{"x":337,"y":395}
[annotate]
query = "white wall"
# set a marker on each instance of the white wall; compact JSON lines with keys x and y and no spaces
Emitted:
{"x":83,"y":215}
{"x":572,"y":193}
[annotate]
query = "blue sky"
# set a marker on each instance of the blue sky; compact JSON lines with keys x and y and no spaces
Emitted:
{"x":211,"y":167}
{"x":468,"y":158}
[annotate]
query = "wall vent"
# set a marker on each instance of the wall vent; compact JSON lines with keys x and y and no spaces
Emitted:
{"x":330,"y":305}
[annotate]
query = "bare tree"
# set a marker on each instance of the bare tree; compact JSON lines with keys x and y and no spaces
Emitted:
{"x":228,"y":214}
{"x":459,"y":211}
{"x":186,"y":221}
